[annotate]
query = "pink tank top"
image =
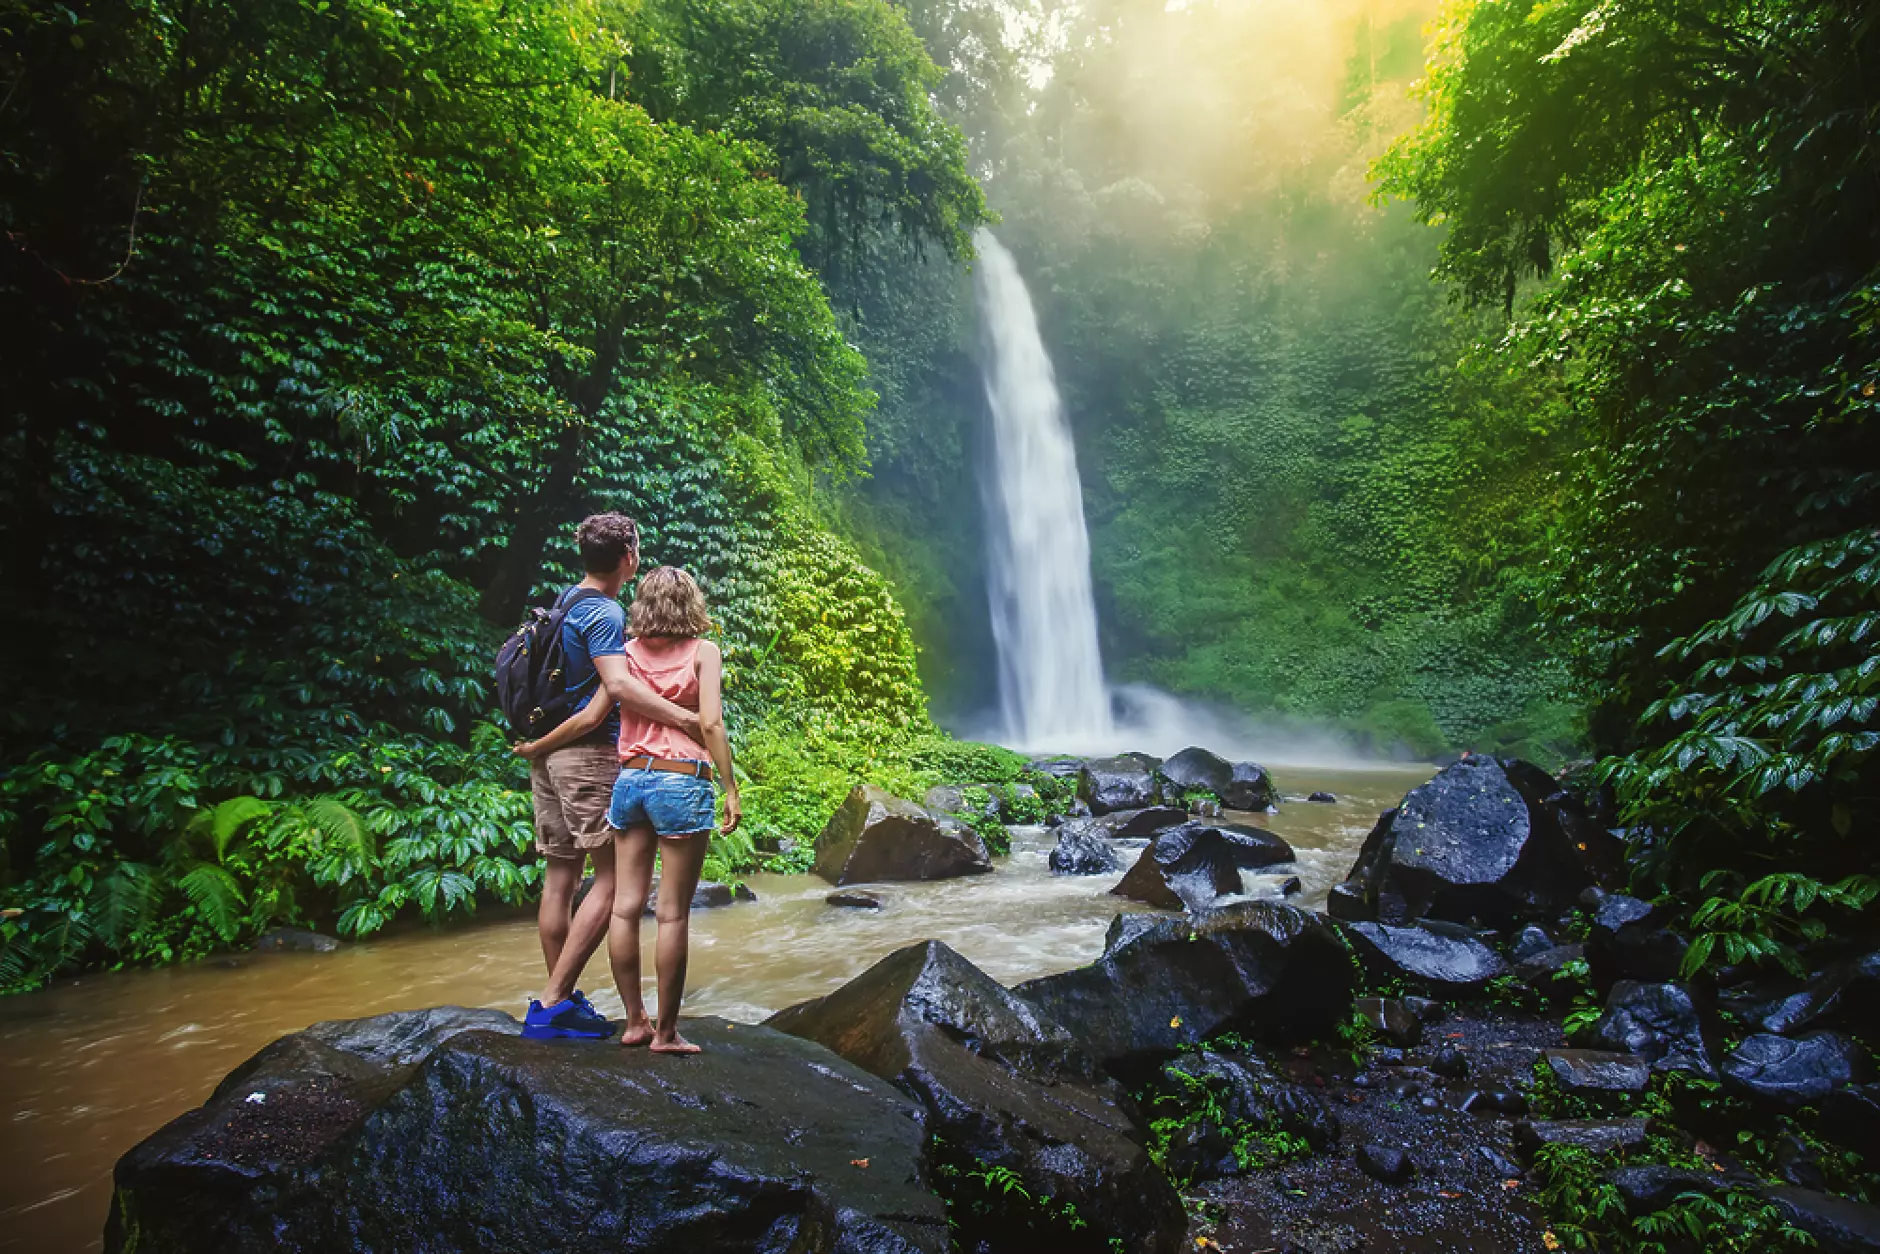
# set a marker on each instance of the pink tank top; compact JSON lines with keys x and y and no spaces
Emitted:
{"x":670,"y":668}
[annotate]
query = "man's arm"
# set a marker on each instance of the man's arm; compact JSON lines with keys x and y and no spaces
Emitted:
{"x":630,"y":694}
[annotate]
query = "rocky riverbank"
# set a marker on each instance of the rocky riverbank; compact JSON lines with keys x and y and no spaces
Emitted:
{"x":1483,"y":1046}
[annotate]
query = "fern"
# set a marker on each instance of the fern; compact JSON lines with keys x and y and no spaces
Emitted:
{"x":217,"y":897}
{"x":126,"y":900}
{"x":342,"y":829}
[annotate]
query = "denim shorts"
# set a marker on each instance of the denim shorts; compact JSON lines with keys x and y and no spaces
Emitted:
{"x":675,"y":805}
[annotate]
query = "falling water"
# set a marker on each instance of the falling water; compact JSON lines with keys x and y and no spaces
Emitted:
{"x":1044,"y":620}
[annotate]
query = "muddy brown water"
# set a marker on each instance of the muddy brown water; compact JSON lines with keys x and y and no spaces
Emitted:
{"x":92,"y":1065}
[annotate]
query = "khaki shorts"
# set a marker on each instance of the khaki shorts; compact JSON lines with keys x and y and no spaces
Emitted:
{"x":572,"y":788}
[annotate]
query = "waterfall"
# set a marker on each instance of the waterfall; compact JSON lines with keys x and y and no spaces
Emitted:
{"x":1044,"y":619}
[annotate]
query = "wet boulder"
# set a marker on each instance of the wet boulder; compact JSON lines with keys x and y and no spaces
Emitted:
{"x":1597,"y":1071}
{"x":1650,"y":1187}
{"x":1196,"y":864}
{"x":1530,"y":942}
{"x":854,"y":901}
{"x":1627,"y":939}
{"x":1271,"y":972}
{"x":1479,"y":841}
{"x":1839,"y":1225}
{"x":1080,"y":853}
{"x":1662,"y":1024}
{"x":1237,"y":1094}
{"x":953,"y":799}
{"x":1390,"y":1019}
{"x":1543,"y":972}
{"x":1249,"y":787}
{"x":1441,"y":965}
{"x":1787,"y":1073}
{"x":445,"y":1130}
{"x":1194,"y":772}
{"x":876,"y":836}
{"x":298,"y":940}
{"x":709,"y":895}
{"x":999,"y":1085}
{"x":1121,"y":783}
{"x":1843,"y":994}
{"x":1144,"y":822}
{"x":1600,"y":1136}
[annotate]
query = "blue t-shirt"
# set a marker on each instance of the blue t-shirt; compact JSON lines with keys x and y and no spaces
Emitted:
{"x":594,"y":627}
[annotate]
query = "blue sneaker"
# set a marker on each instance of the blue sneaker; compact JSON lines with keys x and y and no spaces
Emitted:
{"x":579,"y":998}
{"x":564,"y":1018}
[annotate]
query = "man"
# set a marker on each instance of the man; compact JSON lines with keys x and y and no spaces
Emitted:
{"x":573,"y":785}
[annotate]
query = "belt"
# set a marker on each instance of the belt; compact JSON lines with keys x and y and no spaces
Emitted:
{"x":698,"y":770}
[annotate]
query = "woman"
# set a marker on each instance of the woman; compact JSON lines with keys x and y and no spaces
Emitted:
{"x":663,"y":800}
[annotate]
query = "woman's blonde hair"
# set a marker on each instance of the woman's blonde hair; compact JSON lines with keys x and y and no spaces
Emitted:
{"x":668,"y":603}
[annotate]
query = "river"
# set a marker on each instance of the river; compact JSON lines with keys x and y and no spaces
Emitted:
{"x":92,"y":1065}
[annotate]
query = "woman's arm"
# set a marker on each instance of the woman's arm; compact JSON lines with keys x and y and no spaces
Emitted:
{"x":583,"y":721}
{"x":711,"y":725}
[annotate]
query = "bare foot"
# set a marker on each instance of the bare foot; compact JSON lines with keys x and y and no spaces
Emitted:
{"x":673,"y":1043}
{"x":639,"y":1032}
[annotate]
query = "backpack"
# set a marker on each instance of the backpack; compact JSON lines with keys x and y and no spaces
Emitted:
{"x":530,"y":685}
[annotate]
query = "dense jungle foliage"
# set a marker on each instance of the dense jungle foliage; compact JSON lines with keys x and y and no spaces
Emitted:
{"x":326,"y":321}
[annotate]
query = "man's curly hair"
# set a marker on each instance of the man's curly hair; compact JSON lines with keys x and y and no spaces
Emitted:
{"x":604,"y":539}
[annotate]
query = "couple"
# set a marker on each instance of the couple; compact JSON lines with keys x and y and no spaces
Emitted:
{"x":627,"y":776}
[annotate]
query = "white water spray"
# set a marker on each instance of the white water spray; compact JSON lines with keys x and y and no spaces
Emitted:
{"x":1044,"y":619}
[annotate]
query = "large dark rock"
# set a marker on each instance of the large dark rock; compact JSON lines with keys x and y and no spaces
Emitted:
{"x":1390,"y":1019}
{"x":1598,"y":1071}
{"x":1000,"y":1085}
{"x":1272,"y":972}
{"x":444,"y":1131}
{"x":1543,"y":971}
{"x":1839,"y":1225}
{"x":1601,"y":1136}
{"x":1444,"y":965}
{"x":709,"y":895}
{"x":1388,"y":1164}
{"x":1249,"y":787}
{"x":1531,"y":942}
{"x":1145,"y":822}
{"x":876,"y":836}
{"x":295,"y":940}
{"x":1483,"y":840}
{"x":1192,"y":771}
{"x":1221,"y":1097}
{"x":1126,"y":824}
{"x":1255,"y":848}
{"x":1078,"y":852}
{"x":1627,"y":939}
{"x":1650,"y":1187}
{"x":1196,"y":864}
{"x":1790,"y":1072}
{"x":1121,"y":783}
{"x":1843,"y":994}
{"x":1662,"y":1024}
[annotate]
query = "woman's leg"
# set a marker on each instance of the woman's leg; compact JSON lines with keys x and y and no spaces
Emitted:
{"x":680,"y":858}
{"x":633,"y":882}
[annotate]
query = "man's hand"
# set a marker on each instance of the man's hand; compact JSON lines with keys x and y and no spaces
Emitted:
{"x":526,"y":749}
{"x":734,"y":813}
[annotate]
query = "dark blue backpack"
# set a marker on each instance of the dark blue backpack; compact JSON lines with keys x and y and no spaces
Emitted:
{"x":531,"y":670}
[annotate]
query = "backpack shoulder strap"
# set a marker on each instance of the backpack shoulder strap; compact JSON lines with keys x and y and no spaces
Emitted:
{"x":575,"y":595}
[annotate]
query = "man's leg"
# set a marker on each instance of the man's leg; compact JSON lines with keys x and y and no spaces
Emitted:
{"x":588,"y":928}
{"x":561,"y":863}
{"x":561,"y":879}
{"x":633,"y":860}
